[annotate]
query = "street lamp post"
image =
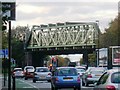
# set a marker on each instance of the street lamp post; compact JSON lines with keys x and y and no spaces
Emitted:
{"x":97,"y":21}
{"x":9,"y":64}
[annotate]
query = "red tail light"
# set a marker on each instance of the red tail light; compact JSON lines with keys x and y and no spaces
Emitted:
{"x":56,"y":79}
{"x":49,"y":73}
{"x":89,"y":76}
{"x":13,"y":72}
{"x":110,"y":87}
{"x":78,"y":79}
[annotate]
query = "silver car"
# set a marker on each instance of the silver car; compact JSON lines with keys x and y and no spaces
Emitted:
{"x":42,"y":73}
{"x":80,"y":71}
{"x":92,"y":75}
{"x":110,"y":80}
{"x":18,"y":72}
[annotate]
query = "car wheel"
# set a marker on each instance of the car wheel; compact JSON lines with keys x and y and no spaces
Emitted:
{"x":74,"y":89}
{"x":52,"y":88}
{"x":34,"y":81}
{"x":86,"y":84}
{"x":56,"y":88}
{"x":79,"y":88}
{"x":26,"y":78}
{"x":83,"y":84}
{"x":49,"y":80}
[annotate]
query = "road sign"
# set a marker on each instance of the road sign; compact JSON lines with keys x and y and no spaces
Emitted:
{"x":103,"y":56}
{"x":13,"y":62}
{"x":115,"y":55}
{"x":4,"y":53}
{"x":8,"y":9}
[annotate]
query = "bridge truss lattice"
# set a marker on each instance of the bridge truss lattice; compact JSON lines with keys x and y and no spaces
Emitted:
{"x":63,"y":35}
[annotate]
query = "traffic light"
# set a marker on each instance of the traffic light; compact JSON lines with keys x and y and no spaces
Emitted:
{"x":4,"y":23}
{"x":4,"y":27}
{"x":54,"y":62}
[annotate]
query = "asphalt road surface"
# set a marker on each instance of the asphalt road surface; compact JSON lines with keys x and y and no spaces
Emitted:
{"x":40,"y":85}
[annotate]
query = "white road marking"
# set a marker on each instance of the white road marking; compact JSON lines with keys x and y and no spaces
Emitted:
{"x":29,"y":84}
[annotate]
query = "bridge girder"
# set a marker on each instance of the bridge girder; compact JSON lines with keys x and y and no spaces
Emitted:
{"x":63,"y":35}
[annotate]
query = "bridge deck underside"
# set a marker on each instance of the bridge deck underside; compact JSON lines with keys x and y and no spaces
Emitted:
{"x":64,"y":51}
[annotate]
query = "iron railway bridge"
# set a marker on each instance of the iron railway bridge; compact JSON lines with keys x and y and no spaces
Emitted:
{"x":62,"y":38}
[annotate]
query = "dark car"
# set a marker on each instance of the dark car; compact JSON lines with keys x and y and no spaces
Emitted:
{"x":28,"y":72}
{"x":65,"y":77}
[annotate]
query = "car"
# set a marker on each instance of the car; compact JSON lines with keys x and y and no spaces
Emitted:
{"x":18,"y":72}
{"x":81,"y":70}
{"x":65,"y":77}
{"x":92,"y":75}
{"x":29,"y":72}
{"x":110,"y":80}
{"x":42,"y":73}
{"x":83,"y":67}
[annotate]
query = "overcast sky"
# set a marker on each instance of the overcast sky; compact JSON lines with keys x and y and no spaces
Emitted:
{"x":36,"y":12}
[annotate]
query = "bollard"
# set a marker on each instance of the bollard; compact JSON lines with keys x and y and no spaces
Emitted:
{"x":13,"y":82}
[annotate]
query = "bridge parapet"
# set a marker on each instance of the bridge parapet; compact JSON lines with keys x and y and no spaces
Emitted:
{"x":68,"y":34}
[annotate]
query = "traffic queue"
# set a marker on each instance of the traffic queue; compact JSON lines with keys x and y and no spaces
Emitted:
{"x":72,"y":76}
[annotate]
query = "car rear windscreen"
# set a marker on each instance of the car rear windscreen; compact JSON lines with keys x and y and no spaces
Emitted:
{"x":42,"y":70}
{"x":115,"y":78}
{"x":18,"y":70}
{"x":67,"y":71}
{"x":29,"y":68}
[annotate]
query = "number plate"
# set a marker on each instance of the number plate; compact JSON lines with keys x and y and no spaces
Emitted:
{"x":42,"y":77}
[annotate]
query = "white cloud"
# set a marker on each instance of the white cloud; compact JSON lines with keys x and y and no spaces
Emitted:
{"x":32,"y":9}
{"x":67,"y":0}
{"x":37,"y":13}
{"x":73,"y":57}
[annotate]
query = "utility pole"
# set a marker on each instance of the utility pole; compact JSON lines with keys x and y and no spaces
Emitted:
{"x":9,"y":6}
{"x":9,"y":64}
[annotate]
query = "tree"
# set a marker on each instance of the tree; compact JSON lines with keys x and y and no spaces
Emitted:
{"x":91,"y":59}
{"x":67,"y":61}
{"x":61,"y":61}
{"x":4,"y":39}
{"x":111,"y":36}
{"x":17,"y":41}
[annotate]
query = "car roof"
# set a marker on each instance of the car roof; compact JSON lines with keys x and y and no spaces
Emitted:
{"x":80,"y":67}
{"x":96,"y":68}
{"x":64,"y":67}
{"x":28,"y":66}
{"x":41,"y":67}
{"x":17,"y":68}
{"x":114,"y":70}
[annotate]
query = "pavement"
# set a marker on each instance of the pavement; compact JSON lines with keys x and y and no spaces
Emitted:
{"x":3,"y":85}
{"x":19,"y":84}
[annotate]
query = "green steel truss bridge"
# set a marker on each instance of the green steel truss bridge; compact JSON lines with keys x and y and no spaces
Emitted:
{"x":68,"y":35}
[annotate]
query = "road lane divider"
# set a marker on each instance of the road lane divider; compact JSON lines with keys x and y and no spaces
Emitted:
{"x":23,"y":84}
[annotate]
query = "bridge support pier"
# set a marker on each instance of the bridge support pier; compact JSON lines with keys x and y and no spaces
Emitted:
{"x":28,"y":58}
{"x":85,"y":58}
{"x":38,"y":59}
{"x":109,"y":59}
